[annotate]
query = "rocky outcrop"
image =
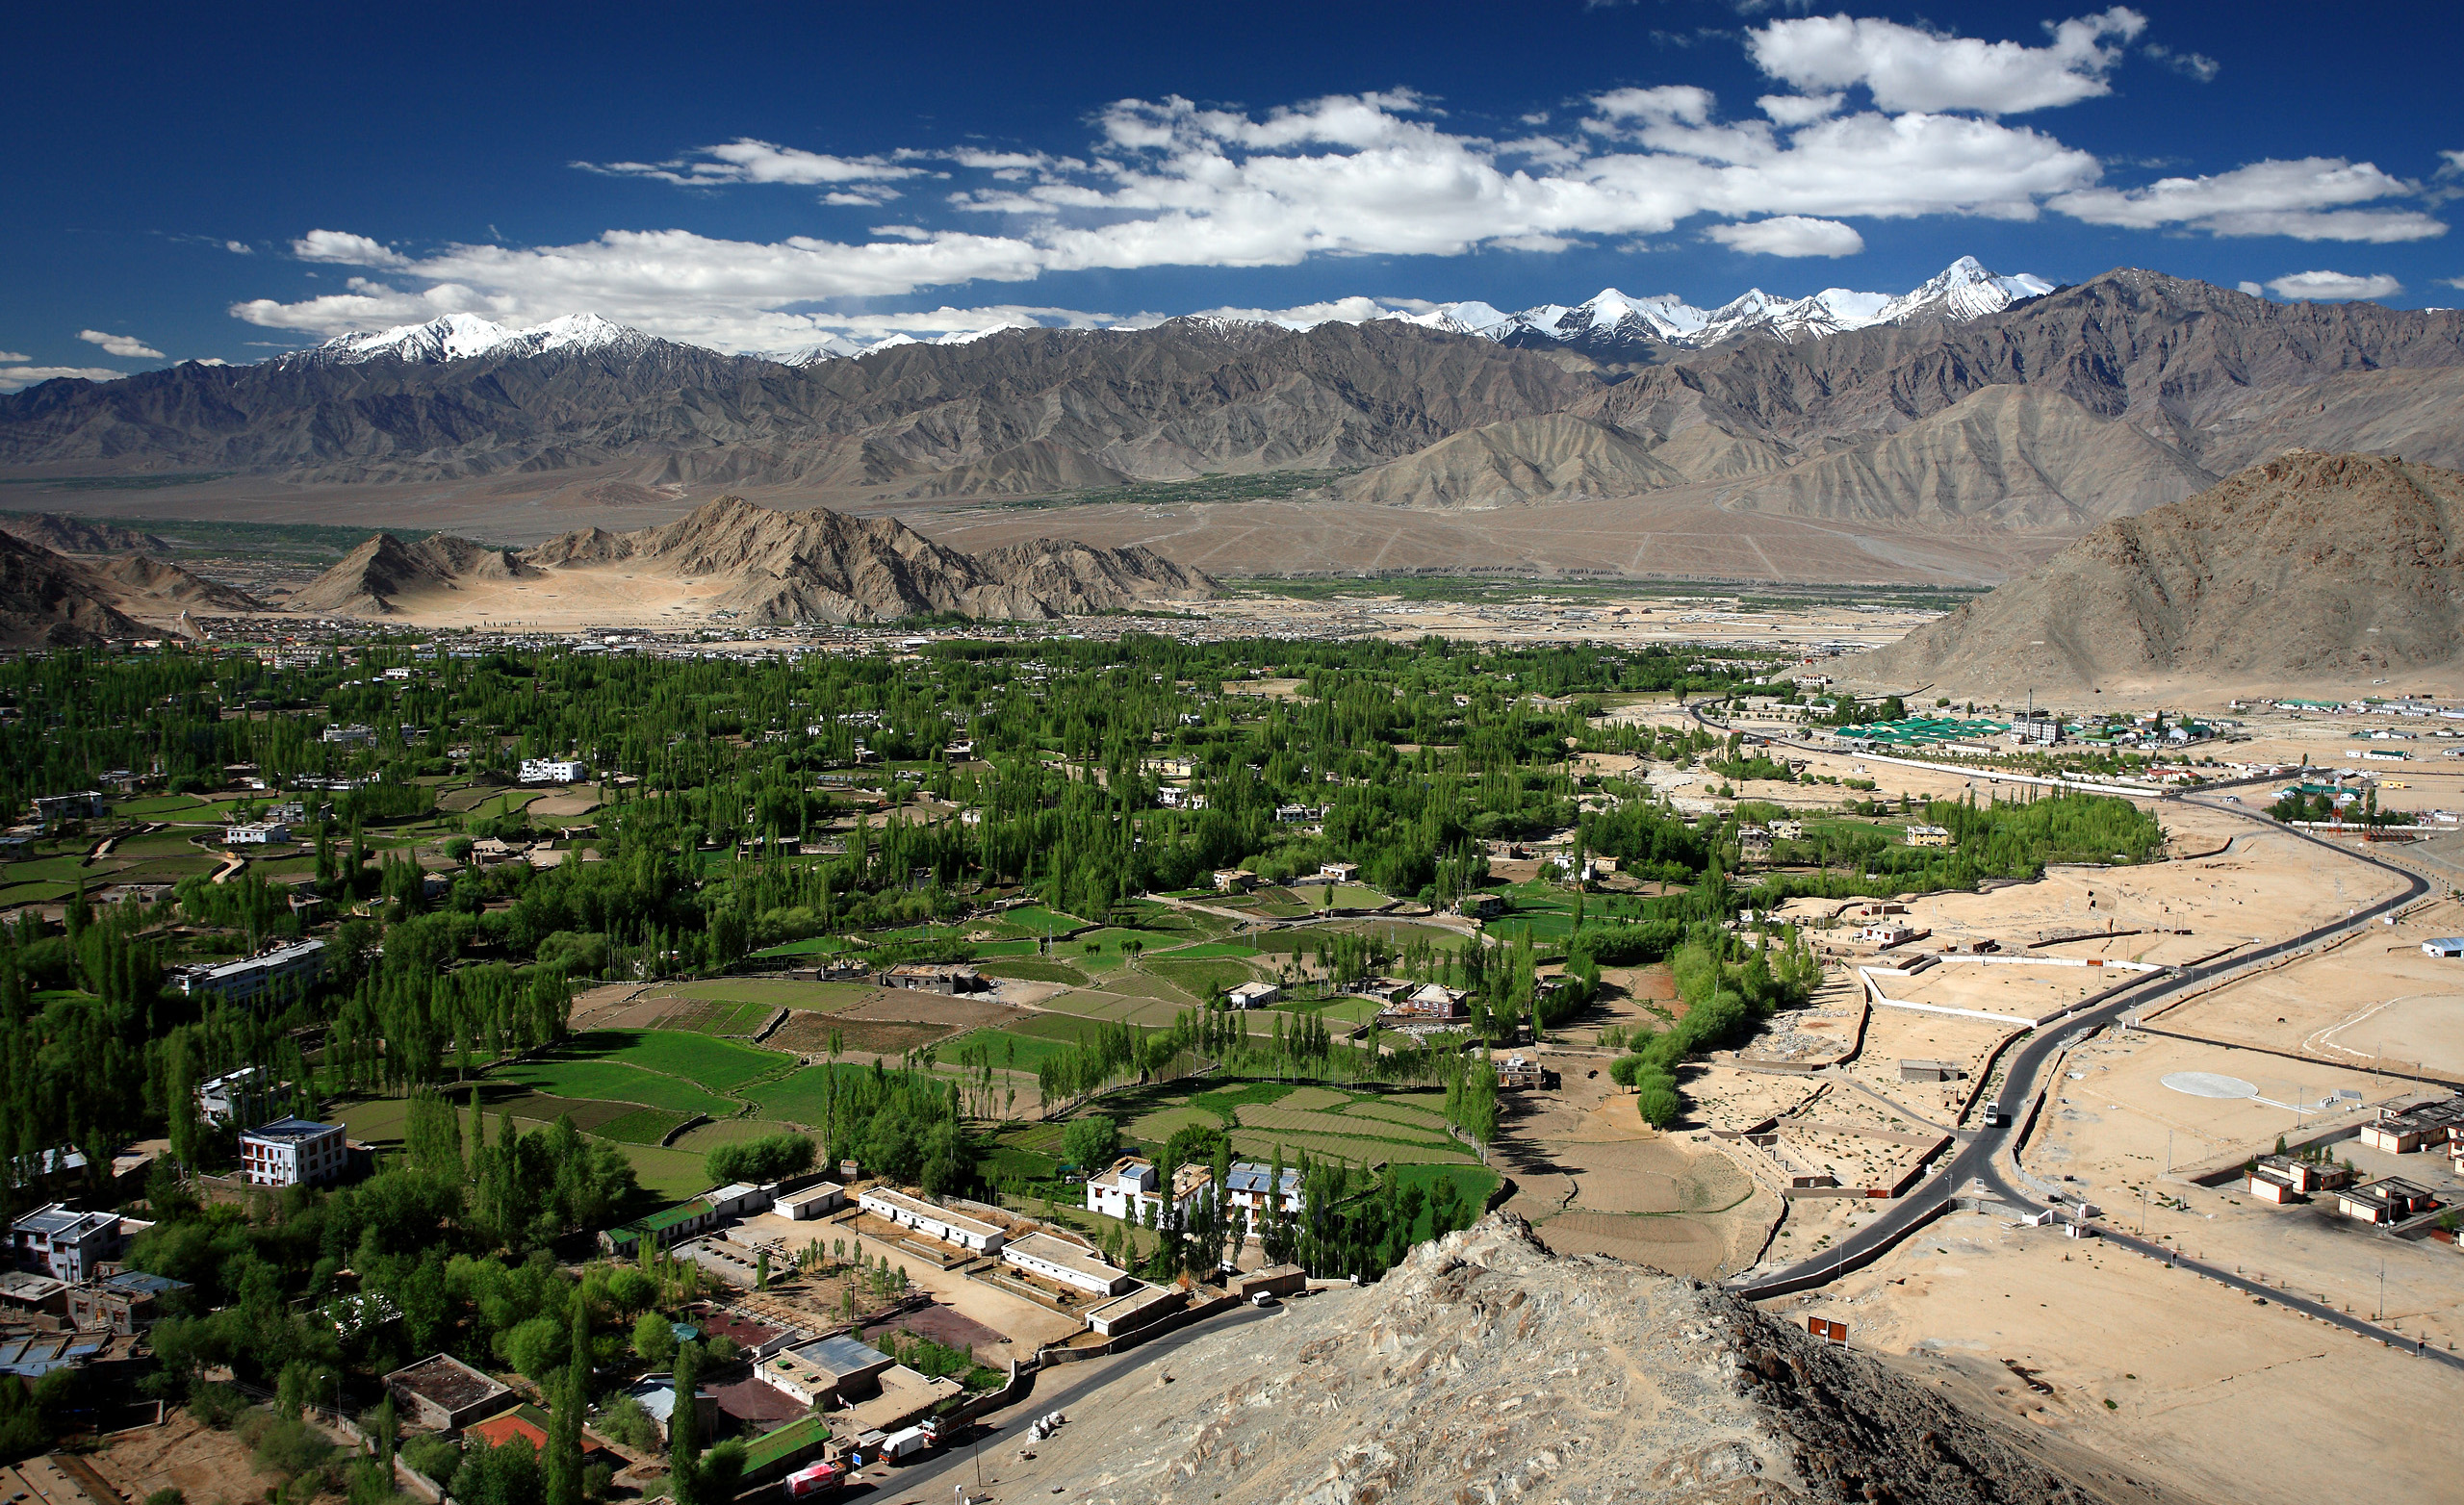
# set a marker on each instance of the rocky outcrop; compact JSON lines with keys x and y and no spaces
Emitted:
{"x":2306,"y":566}
{"x":1484,"y":1367}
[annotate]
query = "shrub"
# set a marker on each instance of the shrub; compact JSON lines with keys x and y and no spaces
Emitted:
{"x":624,"y":1419}
{"x":773,"y":1158}
{"x":432,"y":1456}
{"x":1658,"y":1101}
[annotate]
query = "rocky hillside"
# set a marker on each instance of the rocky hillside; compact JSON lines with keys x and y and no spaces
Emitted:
{"x":65,"y":535}
{"x":2309,"y":566}
{"x":48,"y":600}
{"x":371,"y":576}
{"x":1485,"y":1368}
{"x":777,"y":566}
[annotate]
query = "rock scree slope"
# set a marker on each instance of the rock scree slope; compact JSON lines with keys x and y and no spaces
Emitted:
{"x":1486,"y":1368}
{"x":2307,"y":566}
{"x":777,"y":566}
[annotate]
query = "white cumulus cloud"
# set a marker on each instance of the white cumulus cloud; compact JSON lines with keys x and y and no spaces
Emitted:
{"x":127,"y":348}
{"x":1909,"y":67}
{"x":2307,"y":199}
{"x":2251,"y":287}
{"x":1790,"y":235}
{"x":2334,"y":287}
{"x":745,"y":159}
{"x":11,"y":355}
{"x":239,"y":247}
{"x":348,"y":250}
{"x":13,"y":378}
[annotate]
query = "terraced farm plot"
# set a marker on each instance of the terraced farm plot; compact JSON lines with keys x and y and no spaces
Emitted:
{"x":1035,"y":969}
{"x":808,"y":1034}
{"x":798,"y":1097}
{"x":641,"y":1126}
{"x":1280,"y":1120}
{"x":1402,"y":1113}
{"x":612,"y":1082}
{"x":1202,"y":978}
{"x":702,"y":1138}
{"x":713,"y":1062}
{"x":773,"y":993}
{"x":1158,"y":1127}
{"x":700,"y":1017}
{"x":1036,"y":920}
{"x":1203,"y":951}
{"x":1315,"y":1100}
{"x":1257,"y":1145}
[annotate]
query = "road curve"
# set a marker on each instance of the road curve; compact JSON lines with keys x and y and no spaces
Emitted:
{"x":1977,"y":1158}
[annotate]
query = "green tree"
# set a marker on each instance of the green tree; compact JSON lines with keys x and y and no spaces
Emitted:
{"x":1090,"y":1143}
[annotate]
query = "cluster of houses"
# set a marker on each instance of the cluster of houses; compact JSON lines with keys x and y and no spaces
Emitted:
{"x":1132,"y":1190}
{"x":2387,"y":1200}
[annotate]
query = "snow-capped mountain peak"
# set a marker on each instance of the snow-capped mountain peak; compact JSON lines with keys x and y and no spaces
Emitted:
{"x":461,"y":337}
{"x":1614,"y":323}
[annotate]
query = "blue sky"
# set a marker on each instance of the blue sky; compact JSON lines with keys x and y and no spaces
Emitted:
{"x":222,"y":183}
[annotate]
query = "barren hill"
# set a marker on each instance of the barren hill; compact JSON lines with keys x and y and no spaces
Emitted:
{"x":733,"y":556}
{"x":1485,"y":1368}
{"x":2306,"y":566}
{"x":66,"y":535}
{"x":371,"y":576}
{"x":147,"y":581}
{"x":47,"y":601}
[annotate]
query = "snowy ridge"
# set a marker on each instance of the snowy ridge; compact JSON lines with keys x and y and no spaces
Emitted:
{"x":462,"y":337}
{"x":1964,"y":291}
{"x":1610,"y":323}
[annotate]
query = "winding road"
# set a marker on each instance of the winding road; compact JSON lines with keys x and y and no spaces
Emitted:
{"x":1982,"y":1158}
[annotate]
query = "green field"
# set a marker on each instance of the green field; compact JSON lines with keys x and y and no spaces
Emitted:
{"x":772,"y":993}
{"x":1202,"y":978}
{"x":809,"y":946}
{"x":798,"y":1096}
{"x":702,"y":1138}
{"x":1036,"y":970}
{"x":641,"y":1126}
{"x":716,"y":1064}
{"x":1256,"y":1144}
{"x":615,"y":1083}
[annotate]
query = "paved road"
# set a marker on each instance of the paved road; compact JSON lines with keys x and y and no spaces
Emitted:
{"x":939,"y":1476}
{"x":1979,"y":1158}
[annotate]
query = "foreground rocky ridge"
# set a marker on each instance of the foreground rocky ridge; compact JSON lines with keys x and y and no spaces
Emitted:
{"x":1485,"y":1368}
{"x":2308,"y":566}
{"x":776,"y":566}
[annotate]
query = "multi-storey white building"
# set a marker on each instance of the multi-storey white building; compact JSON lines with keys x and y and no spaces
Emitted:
{"x":255,"y":833}
{"x":299,"y":962}
{"x":63,"y":1243}
{"x":291,"y":1152}
{"x":554,"y":771}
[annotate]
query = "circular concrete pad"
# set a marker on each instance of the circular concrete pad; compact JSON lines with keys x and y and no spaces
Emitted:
{"x":2207,"y":1084}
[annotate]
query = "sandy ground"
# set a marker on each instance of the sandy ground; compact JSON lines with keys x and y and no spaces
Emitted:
{"x":182,"y":1454}
{"x":1022,"y":1326}
{"x":2374,"y":1000}
{"x":2212,"y":1396}
{"x":1593,"y":1178}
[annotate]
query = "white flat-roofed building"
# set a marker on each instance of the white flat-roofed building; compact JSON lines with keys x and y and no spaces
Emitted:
{"x":554,"y":771}
{"x":255,"y":833}
{"x":63,"y":1243}
{"x":300,"y":961}
{"x":1253,"y":995}
{"x":291,"y":1152}
{"x":1125,"y":1190}
{"x":1056,"y":1258}
{"x":813,"y":1201}
{"x":2444,"y":946}
{"x":1248,"y":1188}
{"x":741,"y":1199}
{"x":235,"y":1096}
{"x":1141,"y":1305}
{"x":931,"y":1219}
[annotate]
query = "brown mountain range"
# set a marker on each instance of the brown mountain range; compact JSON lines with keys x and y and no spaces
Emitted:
{"x":2308,"y":567}
{"x":760,"y":563}
{"x":2006,"y":434}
